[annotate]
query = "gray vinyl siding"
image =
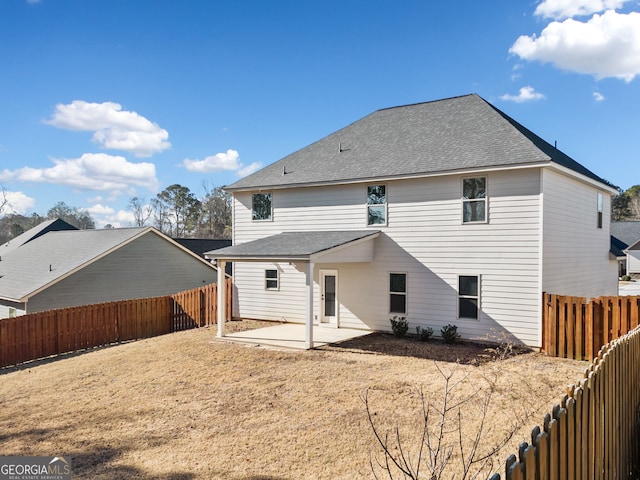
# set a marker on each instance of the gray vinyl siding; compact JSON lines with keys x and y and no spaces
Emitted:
{"x":6,"y":306}
{"x":424,"y":238}
{"x":576,"y":252}
{"x":633,"y":260}
{"x":149,"y":266}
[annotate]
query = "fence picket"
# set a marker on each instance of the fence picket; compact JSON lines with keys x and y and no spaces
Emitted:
{"x":574,"y":327}
{"x":37,"y":335}
{"x":593,"y":433}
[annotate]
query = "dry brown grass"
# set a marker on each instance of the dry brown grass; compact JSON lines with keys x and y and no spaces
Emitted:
{"x":182,"y":406}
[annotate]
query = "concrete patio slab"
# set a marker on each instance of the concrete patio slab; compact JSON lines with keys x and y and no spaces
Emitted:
{"x":292,"y":336}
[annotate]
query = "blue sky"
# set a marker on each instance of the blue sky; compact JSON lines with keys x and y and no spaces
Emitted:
{"x":104,"y":100}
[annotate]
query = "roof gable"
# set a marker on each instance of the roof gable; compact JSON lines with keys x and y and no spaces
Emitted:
{"x":54,"y":225}
{"x":617,"y":247}
{"x":444,"y":136}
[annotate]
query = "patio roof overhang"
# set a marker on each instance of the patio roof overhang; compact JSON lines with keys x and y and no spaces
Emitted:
{"x":315,"y":246}
{"x":305,"y":247}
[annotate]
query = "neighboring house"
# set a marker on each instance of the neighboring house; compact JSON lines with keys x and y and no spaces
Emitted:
{"x":200,"y":246}
{"x":70,"y":268}
{"x":618,"y":248}
{"x":446,"y":212}
{"x":628,"y":236}
{"x":33,"y":233}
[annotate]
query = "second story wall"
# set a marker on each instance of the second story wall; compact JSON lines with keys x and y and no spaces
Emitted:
{"x":576,"y":247}
{"x":424,"y":237}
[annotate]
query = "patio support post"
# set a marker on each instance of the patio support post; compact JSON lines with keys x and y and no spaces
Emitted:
{"x":309,"y":316}
{"x":222,"y":297}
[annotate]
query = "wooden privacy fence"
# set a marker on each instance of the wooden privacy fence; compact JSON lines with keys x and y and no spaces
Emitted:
{"x":52,"y":332}
{"x":593,"y":433}
{"x":199,"y":307}
{"x":575,"y":327}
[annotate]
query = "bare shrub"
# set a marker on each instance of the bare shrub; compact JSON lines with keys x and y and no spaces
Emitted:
{"x":451,"y":437}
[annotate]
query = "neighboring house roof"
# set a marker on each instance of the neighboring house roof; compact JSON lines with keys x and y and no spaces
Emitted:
{"x":291,"y":245}
{"x":628,"y":232}
{"x":35,"y":232}
{"x":52,"y":257}
{"x":458,"y":134}
{"x":618,"y":247}
{"x":200,"y":246}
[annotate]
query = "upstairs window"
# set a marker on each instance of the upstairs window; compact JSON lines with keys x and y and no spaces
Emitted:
{"x":376,"y":205}
{"x":468,"y":296}
{"x":600,"y":204}
{"x":474,"y":199}
{"x":397,"y":293}
{"x":271,"y":280}
{"x":261,"y":208}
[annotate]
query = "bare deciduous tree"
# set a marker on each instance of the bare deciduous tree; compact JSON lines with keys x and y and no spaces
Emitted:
{"x":3,"y":199}
{"x":141,"y":211}
{"x":446,"y":424}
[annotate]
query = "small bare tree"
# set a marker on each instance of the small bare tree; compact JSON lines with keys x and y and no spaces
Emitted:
{"x":141,"y":211}
{"x":4,"y":201}
{"x":445,"y":427}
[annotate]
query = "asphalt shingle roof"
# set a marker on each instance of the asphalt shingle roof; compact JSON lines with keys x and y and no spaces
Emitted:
{"x":460,"y":133}
{"x":298,"y":245}
{"x":628,"y":232}
{"x":50,"y":257}
{"x":56,"y":224}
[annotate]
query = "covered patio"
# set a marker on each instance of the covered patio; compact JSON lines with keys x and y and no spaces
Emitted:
{"x":308,"y":249}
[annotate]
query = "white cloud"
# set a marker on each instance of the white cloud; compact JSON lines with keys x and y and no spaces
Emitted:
{"x":113,"y":127}
{"x":18,"y":202}
{"x":526,"y":94}
{"x":606,"y":45}
{"x":100,"y":210}
{"x":214,"y":163}
{"x":107,"y":216}
{"x":92,"y":171}
{"x":229,"y":161}
{"x":560,"y":9}
{"x":249,"y":169}
{"x":598,"y":97}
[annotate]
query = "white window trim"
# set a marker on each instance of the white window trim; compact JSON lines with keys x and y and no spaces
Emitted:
{"x":270,"y":219}
{"x":600,"y":210}
{"x":478,"y":297}
{"x":485,"y":200}
{"x":405,"y":293}
{"x":385,"y":204}
{"x":277,"y":279}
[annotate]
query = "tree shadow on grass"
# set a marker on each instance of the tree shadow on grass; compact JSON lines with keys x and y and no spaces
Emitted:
{"x":462,"y":352}
{"x":99,"y":464}
{"x":60,"y":356}
{"x":31,"y":436}
{"x":88,"y":460}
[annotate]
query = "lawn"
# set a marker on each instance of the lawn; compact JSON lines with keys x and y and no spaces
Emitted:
{"x":184,"y":406}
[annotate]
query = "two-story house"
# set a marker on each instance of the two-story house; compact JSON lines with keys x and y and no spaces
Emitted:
{"x":446,"y":212}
